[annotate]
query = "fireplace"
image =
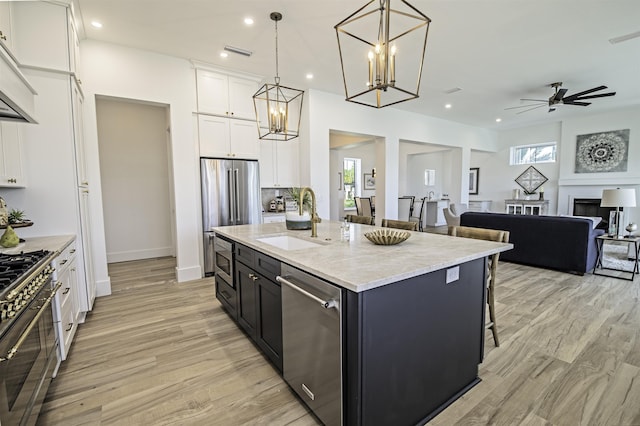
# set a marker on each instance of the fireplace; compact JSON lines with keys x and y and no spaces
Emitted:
{"x":591,"y":207}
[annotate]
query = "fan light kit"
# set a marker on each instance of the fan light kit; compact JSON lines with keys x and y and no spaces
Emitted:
{"x":559,"y":98}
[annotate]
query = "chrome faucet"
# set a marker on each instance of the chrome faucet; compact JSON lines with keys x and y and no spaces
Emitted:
{"x":315,"y":219}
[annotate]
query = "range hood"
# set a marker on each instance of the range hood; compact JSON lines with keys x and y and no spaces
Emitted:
{"x":16,"y":94}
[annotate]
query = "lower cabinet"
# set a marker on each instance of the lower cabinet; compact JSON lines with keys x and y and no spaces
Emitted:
{"x":66,"y":307}
{"x":259,"y":301}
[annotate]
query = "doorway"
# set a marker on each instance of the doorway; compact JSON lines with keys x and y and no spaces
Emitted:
{"x":133,"y":144}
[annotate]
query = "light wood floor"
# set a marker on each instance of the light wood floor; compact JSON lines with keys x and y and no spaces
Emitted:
{"x":160,"y":353}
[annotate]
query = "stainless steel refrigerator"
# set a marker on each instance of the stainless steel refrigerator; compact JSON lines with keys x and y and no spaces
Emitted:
{"x":230,"y":196}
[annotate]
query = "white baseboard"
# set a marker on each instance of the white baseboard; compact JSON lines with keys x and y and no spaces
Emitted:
{"x":125,"y":256}
{"x":189,"y":274}
{"x":103,"y":287}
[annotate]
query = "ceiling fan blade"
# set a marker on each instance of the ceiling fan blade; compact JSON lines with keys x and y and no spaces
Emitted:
{"x":601,"y":95}
{"x":524,"y":106}
{"x":586,"y":92}
{"x":535,"y":100}
{"x":536,"y":107}
{"x":576,"y":103}
{"x":559,"y":95}
{"x":551,"y":109}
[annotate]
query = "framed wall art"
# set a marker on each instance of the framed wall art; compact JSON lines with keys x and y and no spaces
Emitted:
{"x":369,"y":181}
{"x":474,"y":175}
{"x":531,"y":179}
{"x":602,"y":152}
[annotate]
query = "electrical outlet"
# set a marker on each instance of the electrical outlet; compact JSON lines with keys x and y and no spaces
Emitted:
{"x":453,"y":274}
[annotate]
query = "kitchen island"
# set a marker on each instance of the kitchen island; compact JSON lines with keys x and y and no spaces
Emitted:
{"x":410,"y":316}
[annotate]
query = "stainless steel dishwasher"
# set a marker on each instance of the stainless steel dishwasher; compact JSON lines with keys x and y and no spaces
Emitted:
{"x":311,"y":341}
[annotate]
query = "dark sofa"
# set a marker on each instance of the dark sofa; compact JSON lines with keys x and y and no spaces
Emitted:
{"x":555,"y":242}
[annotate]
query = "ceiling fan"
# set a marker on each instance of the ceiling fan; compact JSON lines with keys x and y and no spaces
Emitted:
{"x":559,"y":98}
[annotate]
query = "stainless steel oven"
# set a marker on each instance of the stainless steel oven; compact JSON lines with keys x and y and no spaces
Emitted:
{"x":223,"y":258}
{"x":28,"y":348}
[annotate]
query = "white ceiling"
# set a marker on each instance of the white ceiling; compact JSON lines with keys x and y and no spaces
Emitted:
{"x":497,"y":51}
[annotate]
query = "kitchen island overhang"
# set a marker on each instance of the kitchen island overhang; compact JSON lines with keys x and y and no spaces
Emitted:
{"x":412,"y":315}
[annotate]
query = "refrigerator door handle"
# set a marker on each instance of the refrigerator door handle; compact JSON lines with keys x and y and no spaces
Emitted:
{"x":230,"y":198}
{"x":236,"y":195}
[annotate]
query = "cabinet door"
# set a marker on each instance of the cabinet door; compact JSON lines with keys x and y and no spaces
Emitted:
{"x":86,"y":283}
{"x":78,"y":133}
{"x":241,"y":93}
{"x":214,"y":136}
{"x":269,"y":331}
{"x":247,"y":306}
{"x":287,"y":163}
{"x":5,"y":24}
{"x":212,"y":90}
{"x":268,"y":176}
{"x":74,"y":44}
{"x":40,"y":34}
{"x":11,"y":156}
{"x":244,"y":139}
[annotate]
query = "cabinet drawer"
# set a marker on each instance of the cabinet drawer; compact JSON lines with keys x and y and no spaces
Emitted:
{"x":245,"y":255}
{"x":267,"y":266}
{"x":227,"y":296}
{"x":68,"y":327}
{"x":65,"y":292}
{"x":65,"y":257}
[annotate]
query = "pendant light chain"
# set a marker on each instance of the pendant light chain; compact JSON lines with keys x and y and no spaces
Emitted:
{"x":277,"y":75}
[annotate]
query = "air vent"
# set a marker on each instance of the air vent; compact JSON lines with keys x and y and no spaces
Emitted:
{"x":237,"y":50}
{"x":453,"y":90}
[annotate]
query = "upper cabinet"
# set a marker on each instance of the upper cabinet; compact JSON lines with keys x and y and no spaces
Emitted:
{"x":44,"y":35}
{"x":279,"y":164}
{"x":11,"y":164}
{"x":225,"y":138}
{"x":225,"y":95}
{"x":6,"y":38}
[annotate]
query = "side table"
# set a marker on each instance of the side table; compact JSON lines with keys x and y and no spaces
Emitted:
{"x":600,"y":240}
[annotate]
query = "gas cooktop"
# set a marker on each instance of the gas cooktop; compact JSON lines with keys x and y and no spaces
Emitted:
{"x":14,"y":266}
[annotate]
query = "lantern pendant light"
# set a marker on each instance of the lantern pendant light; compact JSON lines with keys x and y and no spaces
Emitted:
{"x":278,"y":108}
{"x":382,"y":52}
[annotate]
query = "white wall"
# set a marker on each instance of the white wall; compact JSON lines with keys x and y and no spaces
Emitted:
{"x":497,"y":177}
{"x":135,"y":179}
{"x":117,"y":71}
{"x":331,"y":112}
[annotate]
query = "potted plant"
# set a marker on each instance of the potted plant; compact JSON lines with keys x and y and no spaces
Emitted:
{"x":294,"y":219}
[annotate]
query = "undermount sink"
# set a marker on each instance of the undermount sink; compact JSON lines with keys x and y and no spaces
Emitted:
{"x":286,"y":242}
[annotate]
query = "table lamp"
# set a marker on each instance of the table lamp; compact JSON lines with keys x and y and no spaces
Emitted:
{"x":618,"y":198}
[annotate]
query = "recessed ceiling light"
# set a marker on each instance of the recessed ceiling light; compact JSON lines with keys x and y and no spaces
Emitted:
{"x":96,"y":24}
{"x":223,"y":54}
{"x":448,"y":106}
{"x":498,"y":120}
{"x":309,"y":76}
{"x":248,"y":21}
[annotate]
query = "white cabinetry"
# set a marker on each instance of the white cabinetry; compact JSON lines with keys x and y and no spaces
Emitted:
{"x":278,"y":164}
{"x":41,"y":35}
{"x":5,"y":24}
{"x":435,"y":215}
{"x":274,"y":218}
{"x":66,"y":310}
{"x":225,"y":95}
{"x":11,"y":162}
{"x":224,"y":137}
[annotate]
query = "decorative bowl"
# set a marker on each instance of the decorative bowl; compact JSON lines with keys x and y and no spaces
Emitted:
{"x":387,"y":237}
{"x":297,"y":222}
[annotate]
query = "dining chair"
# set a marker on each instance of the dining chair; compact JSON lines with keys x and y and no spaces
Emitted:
{"x":358,"y":205}
{"x":365,"y":204}
{"x":420,"y":219}
{"x":400,"y":224}
{"x":492,"y":266}
{"x":365,"y":220}
{"x":452,"y":220}
{"x":404,"y":208}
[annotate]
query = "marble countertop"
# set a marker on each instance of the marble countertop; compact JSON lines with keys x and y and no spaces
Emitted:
{"x":358,"y":264}
{"x":55,"y":243}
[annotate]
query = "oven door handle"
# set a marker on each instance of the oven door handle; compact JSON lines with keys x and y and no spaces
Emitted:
{"x":12,"y":353}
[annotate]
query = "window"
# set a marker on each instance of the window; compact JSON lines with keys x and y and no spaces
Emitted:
{"x":531,"y":154}
{"x":351,"y":174}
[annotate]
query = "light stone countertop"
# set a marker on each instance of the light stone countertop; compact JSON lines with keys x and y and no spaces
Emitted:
{"x":55,"y":243}
{"x":360,"y":265}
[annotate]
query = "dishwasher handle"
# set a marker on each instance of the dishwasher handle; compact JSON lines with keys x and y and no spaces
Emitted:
{"x":327,"y":304}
